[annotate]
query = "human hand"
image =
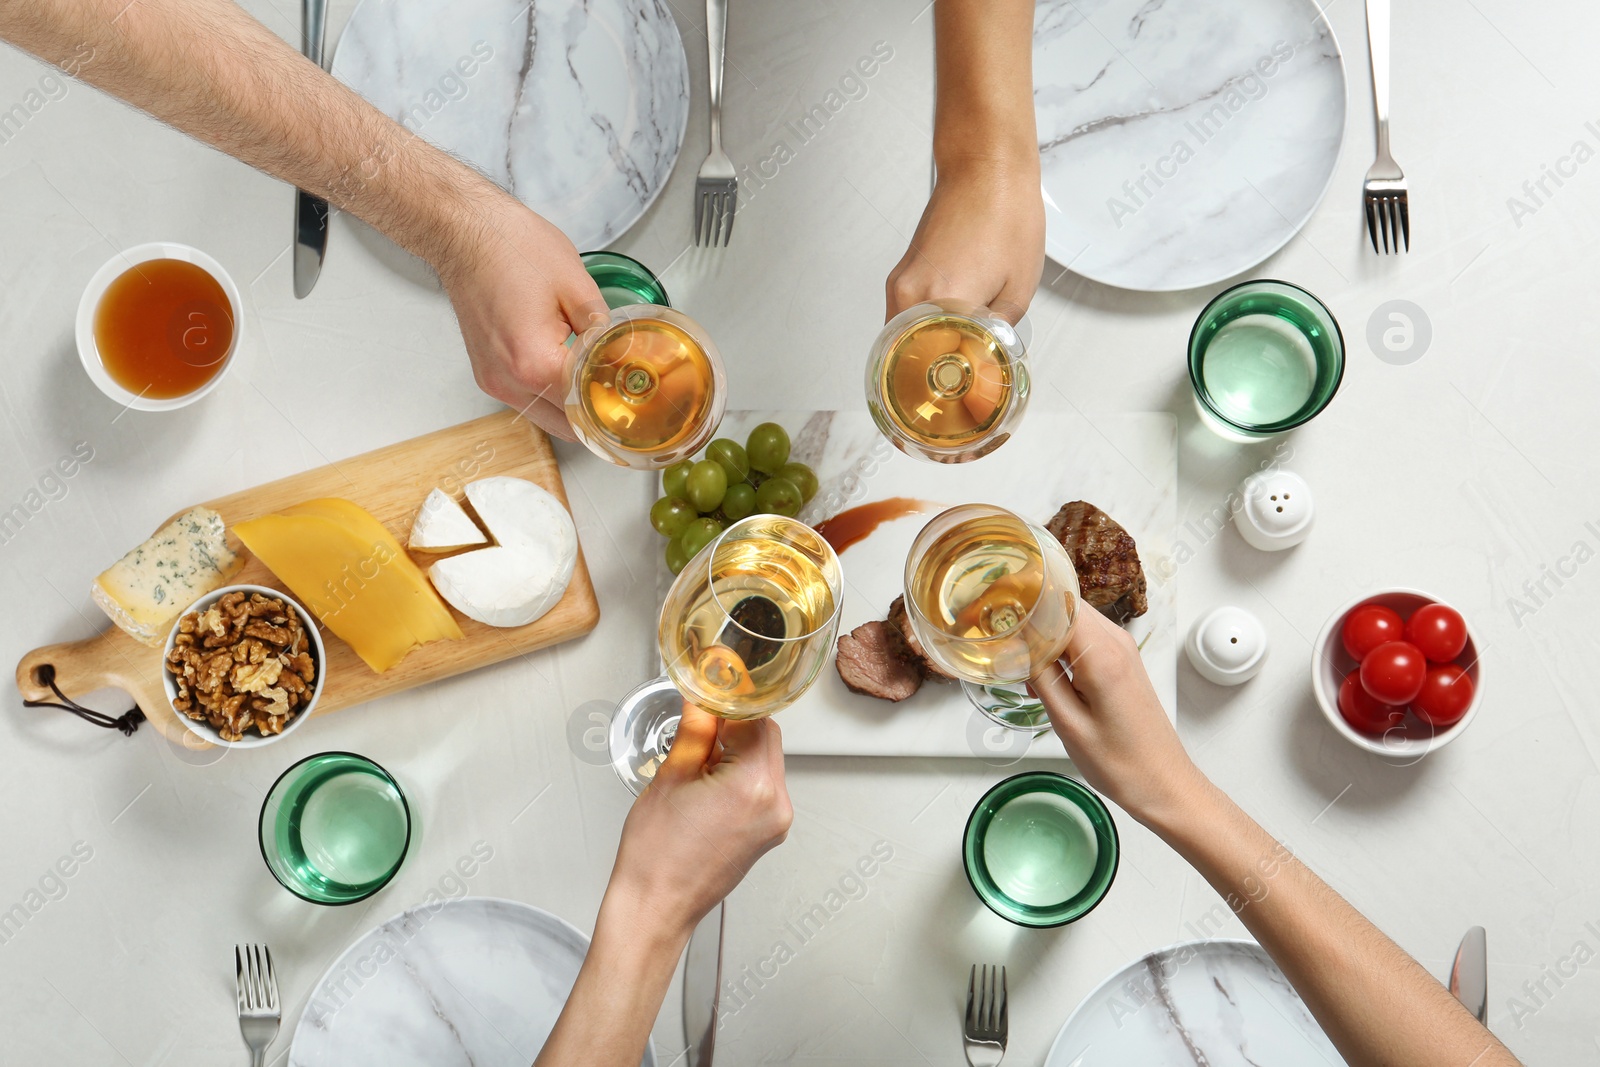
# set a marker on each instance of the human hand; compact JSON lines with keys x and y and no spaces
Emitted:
{"x":518,"y":289}
{"x":1112,"y":724}
{"x":710,"y":813}
{"x":981,"y":239}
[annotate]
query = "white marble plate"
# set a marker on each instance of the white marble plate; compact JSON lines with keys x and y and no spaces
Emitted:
{"x":1222,"y":1003}
{"x":1125,"y":464}
{"x":1182,"y":142}
{"x":475,"y":980}
{"x":577,"y":106}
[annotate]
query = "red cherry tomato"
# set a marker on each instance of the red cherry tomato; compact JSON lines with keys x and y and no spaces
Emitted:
{"x":1369,"y":626}
{"x":1364,"y":713}
{"x":1394,"y":672}
{"x":1446,"y":695}
{"x":1438,"y":631}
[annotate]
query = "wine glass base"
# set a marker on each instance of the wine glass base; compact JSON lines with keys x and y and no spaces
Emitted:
{"x":1010,"y":704}
{"x":642,"y":731}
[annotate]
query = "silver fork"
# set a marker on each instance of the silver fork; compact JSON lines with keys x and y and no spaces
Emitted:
{"x":258,"y":998}
{"x":984,"y":1031}
{"x":1384,"y":191}
{"x":716,"y":189}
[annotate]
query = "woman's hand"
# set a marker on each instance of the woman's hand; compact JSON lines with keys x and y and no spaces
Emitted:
{"x":717,"y":805}
{"x":518,"y":289}
{"x":981,"y":239}
{"x":1112,"y":724}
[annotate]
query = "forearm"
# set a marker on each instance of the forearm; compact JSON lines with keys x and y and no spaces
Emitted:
{"x":608,"y":1016}
{"x":209,"y":69}
{"x":1376,"y":1003}
{"x":984,"y":54}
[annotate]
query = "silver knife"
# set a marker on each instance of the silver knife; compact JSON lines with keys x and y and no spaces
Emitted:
{"x":702,"y":988}
{"x":310,"y":212}
{"x":1469,"y":976}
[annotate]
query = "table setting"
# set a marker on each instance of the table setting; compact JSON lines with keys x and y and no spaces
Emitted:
{"x":1213,"y":427}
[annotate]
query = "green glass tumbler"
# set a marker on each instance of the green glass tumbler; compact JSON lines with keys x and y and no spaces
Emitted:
{"x":623,"y":280}
{"x":1040,"y":849}
{"x":335,"y":828}
{"x":1264,"y":357}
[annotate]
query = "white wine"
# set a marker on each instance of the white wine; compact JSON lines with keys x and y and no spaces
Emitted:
{"x":946,"y":382}
{"x":646,"y":391}
{"x":993,"y":600}
{"x":747,"y":625}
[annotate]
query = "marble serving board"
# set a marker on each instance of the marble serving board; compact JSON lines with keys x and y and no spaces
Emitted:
{"x":1221,"y":1003}
{"x":475,"y":981}
{"x":1126,"y":464}
{"x":1182,"y":142}
{"x":578,"y":107}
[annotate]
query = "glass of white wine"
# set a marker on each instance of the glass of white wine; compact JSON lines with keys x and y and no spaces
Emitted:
{"x":992,"y":599}
{"x":646,"y":388}
{"x":745,"y":630}
{"x":947,"y":381}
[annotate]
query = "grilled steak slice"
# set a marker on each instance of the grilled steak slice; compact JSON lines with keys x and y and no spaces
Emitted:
{"x":902,"y":622}
{"x":1106,"y":559}
{"x":873,"y":659}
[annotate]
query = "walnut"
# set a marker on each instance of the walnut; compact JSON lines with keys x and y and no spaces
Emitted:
{"x":243,"y":663}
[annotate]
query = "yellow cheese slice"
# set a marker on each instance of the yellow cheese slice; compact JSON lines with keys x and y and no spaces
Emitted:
{"x":351,"y":573}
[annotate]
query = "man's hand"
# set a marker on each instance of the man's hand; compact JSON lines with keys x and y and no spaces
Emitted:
{"x":702,"y":824}
{"x":1112,"y":724}
{"x":519,"y":289}
{"x":981,"y":239}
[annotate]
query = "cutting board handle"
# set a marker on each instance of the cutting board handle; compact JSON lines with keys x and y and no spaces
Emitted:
{"x":110,"y":660}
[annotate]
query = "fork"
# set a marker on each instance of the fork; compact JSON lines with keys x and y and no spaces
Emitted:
{"x":716,"y":189}
{"x":257,"y":984}
{"x":1384,"y":191}
{"x":986,"y":1026}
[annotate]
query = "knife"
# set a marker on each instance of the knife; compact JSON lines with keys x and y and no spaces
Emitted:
{"x":310,"y":212}
{"x":1469,"y":976}
{"x":702,"y":988}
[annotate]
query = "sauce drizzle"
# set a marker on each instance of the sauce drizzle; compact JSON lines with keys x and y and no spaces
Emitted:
{"x":854,"y":525}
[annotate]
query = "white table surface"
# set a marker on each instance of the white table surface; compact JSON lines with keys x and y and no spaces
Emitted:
{"x":1464,"y":473}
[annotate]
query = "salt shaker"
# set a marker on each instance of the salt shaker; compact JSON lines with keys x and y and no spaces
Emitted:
{"x":1276,"y":510}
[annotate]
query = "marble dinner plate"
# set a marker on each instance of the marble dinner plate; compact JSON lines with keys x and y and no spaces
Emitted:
{"x":1182,"y":142}
{"x":475,"y":980}
{"x":577,"y":106}
{"x":1222,"y":1003}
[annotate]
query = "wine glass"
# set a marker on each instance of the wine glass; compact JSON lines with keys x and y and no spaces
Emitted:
{"x":947,"y":381}
{"x":992,"y":598}
{"x":746,"y":628}
{"x":646,"y":388}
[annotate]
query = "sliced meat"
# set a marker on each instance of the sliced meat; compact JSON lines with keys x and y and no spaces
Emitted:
{"x":902,"y":622}
{"x":873,"y":659}
{"x":1106,"y":558}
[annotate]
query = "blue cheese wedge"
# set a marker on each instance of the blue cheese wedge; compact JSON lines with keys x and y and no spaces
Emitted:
{"x":150,"y":586}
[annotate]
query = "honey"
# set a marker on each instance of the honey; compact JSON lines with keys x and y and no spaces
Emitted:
{"x":164,"y":328}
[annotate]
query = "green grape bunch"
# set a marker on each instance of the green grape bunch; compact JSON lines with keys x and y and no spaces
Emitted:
{"x":700,"y":498}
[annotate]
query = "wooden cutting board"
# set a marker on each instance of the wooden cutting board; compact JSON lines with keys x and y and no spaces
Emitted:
{"x":391,"y":484}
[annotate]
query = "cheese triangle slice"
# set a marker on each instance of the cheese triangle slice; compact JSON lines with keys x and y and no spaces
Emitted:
{"x":525,"y":574}
{"x":442,"y":525}
{"x":351,"y":573}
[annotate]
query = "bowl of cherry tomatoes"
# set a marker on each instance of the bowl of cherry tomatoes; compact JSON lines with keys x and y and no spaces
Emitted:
{"x":1397,"y":673}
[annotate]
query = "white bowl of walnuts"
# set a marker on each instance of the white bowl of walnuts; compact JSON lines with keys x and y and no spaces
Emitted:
{"x":243,"y":666}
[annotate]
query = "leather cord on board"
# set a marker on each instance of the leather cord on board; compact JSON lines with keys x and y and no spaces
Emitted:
{"x":127,"y":722}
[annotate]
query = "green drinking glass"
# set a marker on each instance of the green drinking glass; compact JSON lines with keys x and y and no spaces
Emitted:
{"x":1264,"y":357}
{"x":335,"y":828}
{"x":1040,"y":849}
{"x":623,"y":280}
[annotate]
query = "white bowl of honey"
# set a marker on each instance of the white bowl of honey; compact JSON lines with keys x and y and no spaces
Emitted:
{"x":158,"y":326}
